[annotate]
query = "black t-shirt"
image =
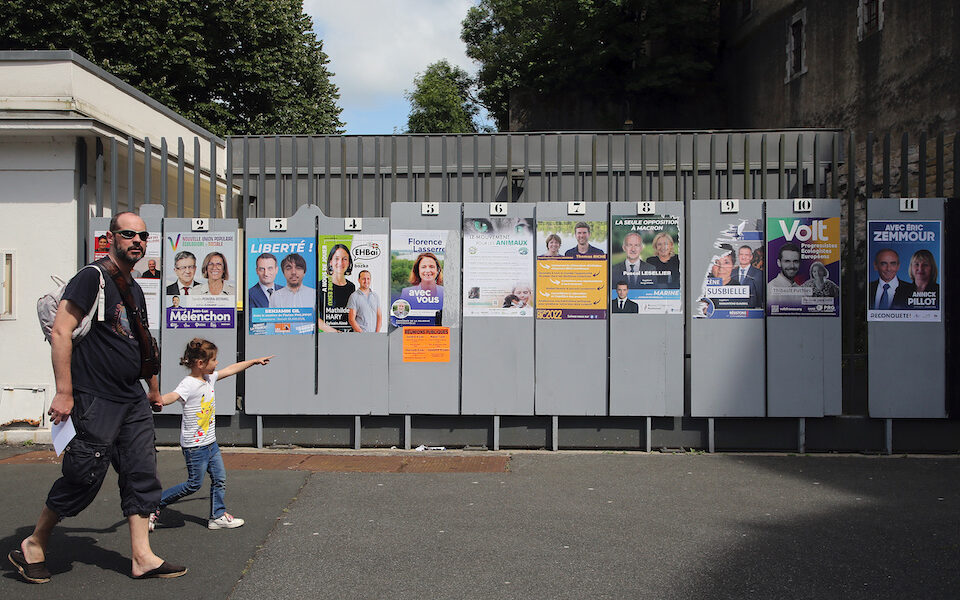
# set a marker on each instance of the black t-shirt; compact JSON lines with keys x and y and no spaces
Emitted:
{"x":341,"y":293}
{"x":106,"y":362}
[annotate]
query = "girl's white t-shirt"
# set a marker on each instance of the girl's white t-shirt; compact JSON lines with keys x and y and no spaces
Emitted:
{"x":198,"y":426}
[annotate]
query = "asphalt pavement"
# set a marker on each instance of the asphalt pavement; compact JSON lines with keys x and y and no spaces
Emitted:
{"x":551,"y":525}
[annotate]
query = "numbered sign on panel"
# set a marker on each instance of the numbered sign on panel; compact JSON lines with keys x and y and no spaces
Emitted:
{"x":576,"y":208}
{"x":200,"y":224}
{"x":278,"y":224}
{"x":802,"y":205}
{"x":352,"y":224}
{"x":498,"y":209}
{"x":908,"y":205}
{"x":730,"y":205}
{"x":429,"y":208}
{"x":646,"y":207}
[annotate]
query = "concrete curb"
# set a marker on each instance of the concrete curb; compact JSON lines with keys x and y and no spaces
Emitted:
{"x":21,"y":436}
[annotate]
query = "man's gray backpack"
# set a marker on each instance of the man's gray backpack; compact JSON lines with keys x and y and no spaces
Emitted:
{"x":48,"y":303}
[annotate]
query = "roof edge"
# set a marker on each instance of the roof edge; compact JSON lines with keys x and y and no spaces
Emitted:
{"x":71,"y":56}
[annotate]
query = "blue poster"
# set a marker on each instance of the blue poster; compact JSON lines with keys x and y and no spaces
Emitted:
{"x":282,"y":299}
{"x":723,"y":293}
{"x":904,"y":258}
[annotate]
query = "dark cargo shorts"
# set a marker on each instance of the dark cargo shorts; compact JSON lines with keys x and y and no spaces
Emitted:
{"x":108,"y":432}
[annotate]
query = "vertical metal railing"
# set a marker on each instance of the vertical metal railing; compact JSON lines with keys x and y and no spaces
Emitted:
{"x":556,"y":167}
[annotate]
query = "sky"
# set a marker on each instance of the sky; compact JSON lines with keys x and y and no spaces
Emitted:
{"x":377,"y":47}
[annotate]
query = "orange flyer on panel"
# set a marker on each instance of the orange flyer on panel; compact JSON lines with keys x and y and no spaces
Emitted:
{"x":426,"y":344}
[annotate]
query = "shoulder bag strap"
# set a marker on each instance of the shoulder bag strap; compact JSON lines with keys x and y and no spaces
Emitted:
{"x":149,"y":356}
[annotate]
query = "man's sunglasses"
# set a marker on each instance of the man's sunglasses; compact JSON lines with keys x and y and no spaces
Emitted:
{"x":129,"y":234}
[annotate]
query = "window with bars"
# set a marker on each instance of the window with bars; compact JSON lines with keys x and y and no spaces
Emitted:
{"x":869,"y":17}
{"x":796,"y":64}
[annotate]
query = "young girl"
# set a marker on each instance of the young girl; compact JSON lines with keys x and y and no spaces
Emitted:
{"x":198,"y":438}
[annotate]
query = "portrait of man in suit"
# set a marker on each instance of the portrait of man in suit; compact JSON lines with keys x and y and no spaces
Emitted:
{"x":633,"y":270}
{"x":622,"y":304}
{"x":889,"y":292}
{"x":185,"y":268}
{"x":747,"y":274}
{"x":261,"y":291}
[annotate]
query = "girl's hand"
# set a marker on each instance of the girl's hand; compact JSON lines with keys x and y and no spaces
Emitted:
{"x":263,"y":359}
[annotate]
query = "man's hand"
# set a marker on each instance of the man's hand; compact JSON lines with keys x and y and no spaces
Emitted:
{"x":156,"y":402}
{"x":60,"y":408}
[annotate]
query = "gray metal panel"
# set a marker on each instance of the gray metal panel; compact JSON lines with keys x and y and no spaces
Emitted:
{"x":646,"y":351}
{"x":174,"y":341}
{"x":906,"y":360}
{"x":498,"y":359}
{"x":430,"y":388}
{"x":571,"y":356}
{"x":803,"y":353}
{"x":286,"y":386}
{"x":352,"y":367}
{"x":727,"y":356}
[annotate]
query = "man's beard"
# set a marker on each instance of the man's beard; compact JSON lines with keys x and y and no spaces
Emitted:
{"x":125,"y":258}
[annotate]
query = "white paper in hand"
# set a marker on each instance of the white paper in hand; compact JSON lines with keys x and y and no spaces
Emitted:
{"x":62,"y":434}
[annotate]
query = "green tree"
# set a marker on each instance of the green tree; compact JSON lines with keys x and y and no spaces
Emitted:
{"x":442,"y":101}
{"x":630,"y":52}
{"x":237,"y":67}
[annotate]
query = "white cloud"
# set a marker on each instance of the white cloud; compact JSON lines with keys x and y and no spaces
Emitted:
{"x":376,"y":47}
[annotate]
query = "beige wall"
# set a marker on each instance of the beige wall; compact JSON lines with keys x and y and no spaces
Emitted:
{"x":38,"y":222}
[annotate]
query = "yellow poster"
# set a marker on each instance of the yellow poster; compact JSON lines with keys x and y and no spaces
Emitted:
{"x":572,"y":270}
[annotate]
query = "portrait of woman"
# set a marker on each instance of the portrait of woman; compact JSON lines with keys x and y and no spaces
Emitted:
{"x":819,"y":282}
{"x":724,"y":268}
{"x":923,"y":272}
{"x":339,"y":265}
{"x":666,"y":259}
{"x":214,"y":269}
{"x":553,"y":245}
{"x":426,"y":283}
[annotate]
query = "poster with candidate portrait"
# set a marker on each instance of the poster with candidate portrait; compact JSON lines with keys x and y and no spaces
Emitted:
{"x":803,"y":277}
{"x":572,"y":269}
{"x":498,"y":267}
{"x":904,"y":271}
{"x":723,"y":293}
{"x":146,"y":272}
{"x":416,"y":276}
{"x":282,"y":298}
{"x":354,"y":276}
{"x":645,"y":258}
{"x":200,"y":280}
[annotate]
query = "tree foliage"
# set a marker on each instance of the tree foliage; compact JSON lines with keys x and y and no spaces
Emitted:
{"x":237,"y":67}
{"x":626,"y":50}
{"x":442,"y":101}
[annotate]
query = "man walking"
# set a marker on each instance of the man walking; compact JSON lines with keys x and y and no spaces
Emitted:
{"x":98,"y":383}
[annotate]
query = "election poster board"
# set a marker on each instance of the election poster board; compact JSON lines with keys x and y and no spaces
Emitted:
{"x":282,"y":299}
{"x":646,"y":258}
{"x":416,"y":286}
{"x":498,"y":267}
{"x":354,"y":276}
{"x":146,"y":272}
{"x":722,"y":293}
{"x":803,"y":276}
{"x":200,"y":280}
{"x":572,"y":270}
{"x":904,"y":258}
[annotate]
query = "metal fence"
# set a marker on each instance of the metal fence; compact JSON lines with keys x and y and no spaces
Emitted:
{"x":362,"y":176}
